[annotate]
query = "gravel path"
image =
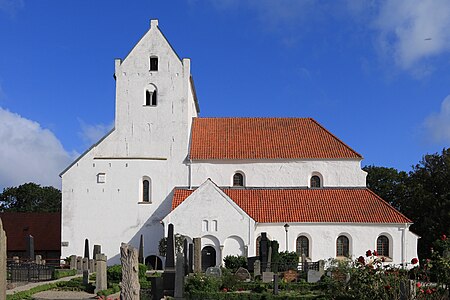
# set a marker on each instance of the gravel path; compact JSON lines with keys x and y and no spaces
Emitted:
{"x":66,"y":295}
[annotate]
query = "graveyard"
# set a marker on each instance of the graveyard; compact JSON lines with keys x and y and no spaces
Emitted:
{"x":270,"y":275}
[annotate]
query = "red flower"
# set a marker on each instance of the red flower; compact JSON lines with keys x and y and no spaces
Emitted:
{"x":428,"y":291}
{"x":414,"y":261}
{"x":387,"y":287}
{"x":368,"y":253}
{"x":418,"y":284}
{"x":375,"y":253}
{"x":383,"y":259}
{"x":361,"y":260}
{"x":443,"y":237}
{"x":225,"y":290}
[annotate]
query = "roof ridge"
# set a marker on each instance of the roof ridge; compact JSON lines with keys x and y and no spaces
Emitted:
{"x":338,"y":139}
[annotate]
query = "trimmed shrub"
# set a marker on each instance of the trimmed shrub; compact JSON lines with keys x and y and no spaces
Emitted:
{"x":60,"y":273}
{"x":234,"y":262}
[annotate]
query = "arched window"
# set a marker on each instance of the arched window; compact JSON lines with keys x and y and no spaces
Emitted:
{"x":342,"y":246}
{"x":383,"y":246}
{"x":315,"y":182}
{"x":302,"y":246}
{"x":146,"y":189}
{"x":238,"y":179}
{"x":151,"y":95}
{"x":153,"y":63}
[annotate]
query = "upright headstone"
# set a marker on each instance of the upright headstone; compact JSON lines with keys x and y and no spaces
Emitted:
{"x":2,"y":262}
{"x":263,"y":250}
{"x":97,"y":250}
{"x":197,"y":255}
{"x":315,"y":275}
{"x":29,"y":242}
{"x":85,"y":277}
{"x":191,"y":258}
{"x":257,"y":268}
{"x":100,"y":277}
{"x":242,"y":274}
{"x":186,"y":256}
{"x":73,"y":262}
{"x":275,"y":284}
{"x":269,"y":259}
{"x":179,"y":277}
{"x":141,"y":250}
{"x":86,"y":248}
{"x":130,"y":272}
{"x":85,"y":266}
{"x":79,"y":264}
{"x":92,"y":265}
{"x":38,"y":260}
{"x":169,"y":270}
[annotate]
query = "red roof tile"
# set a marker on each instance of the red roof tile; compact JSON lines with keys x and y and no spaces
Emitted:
{"x":265,"y":138}
{"x":340,"y":205}
{"x":44,"y":227}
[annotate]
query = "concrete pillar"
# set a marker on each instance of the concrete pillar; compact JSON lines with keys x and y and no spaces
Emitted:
{"x":100,"y":278}
{"x":2,"y":262}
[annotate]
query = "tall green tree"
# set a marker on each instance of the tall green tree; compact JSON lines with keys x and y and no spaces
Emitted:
{"x":30,"y":197}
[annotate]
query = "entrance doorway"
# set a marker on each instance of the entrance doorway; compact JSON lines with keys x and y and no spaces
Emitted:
{"x":208,"y":257}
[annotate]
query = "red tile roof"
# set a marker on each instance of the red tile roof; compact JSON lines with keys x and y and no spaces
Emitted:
{"x":340,"y":205}
{"x":265,"y":138}
{"x":44,"y":227}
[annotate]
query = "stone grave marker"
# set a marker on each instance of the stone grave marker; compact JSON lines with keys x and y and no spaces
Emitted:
{"x":186,"y":257}
{"x":85,"y":264}
{"x":73,"y":262}
{"x":92,"y":265}
{"x":169,"y":270}
{"x":213,"y":272}
{"x":141,"y":250}
{"x":191,"y":258}
{"x":29,"y":242}
{"x":290,"y":276}
{"x":86,"y":248}
{"x":85,"y":277}
{"x":79,"y":263}
{"x":38,"y":260}
{"x":2,"y":262}
{"x":100,"y":277}
{"x":97,"y":250}
{"x":243,"y":274}
{"x":130,"y":272}
{"x":179,"y":277}
{"x":257,"y":268}
{"x":275,"y":284}
{"x":267,"y":277}
{"x":313,"y":275}
{"x":197,"y":255}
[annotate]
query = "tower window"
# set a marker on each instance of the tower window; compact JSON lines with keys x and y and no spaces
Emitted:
{"x":153,"y":63}
{"x":150,"y":98}
{"x":315,"y":181}
{"x":238,"y":179}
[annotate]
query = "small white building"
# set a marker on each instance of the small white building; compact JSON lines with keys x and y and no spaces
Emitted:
{"x":225,"y":180}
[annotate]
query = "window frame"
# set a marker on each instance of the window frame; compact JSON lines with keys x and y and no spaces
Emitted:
{"x":238,"y":179}
{"x":299,"y":249}
{"x":344,"y":253}
{"x":152,"y":67}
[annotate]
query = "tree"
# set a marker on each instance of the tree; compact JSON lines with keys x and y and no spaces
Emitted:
{"x":30,"y":197}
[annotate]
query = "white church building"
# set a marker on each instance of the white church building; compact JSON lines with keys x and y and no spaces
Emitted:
{"x":225,"y":180}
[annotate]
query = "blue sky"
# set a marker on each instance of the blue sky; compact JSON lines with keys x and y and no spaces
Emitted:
{"x":375,"y":73}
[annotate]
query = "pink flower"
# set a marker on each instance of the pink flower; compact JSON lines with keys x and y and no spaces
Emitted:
{"x":444,"y":237}
{"x":368,"y":253}
{"x":414,"y":261}
{"x":418,"y":284}
{"x":225,"y":290}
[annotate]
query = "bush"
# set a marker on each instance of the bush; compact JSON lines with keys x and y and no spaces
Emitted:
{"x":234,"y":262}
{"x":60,"y":273}
{"x":114,"y":273}
{"x":202,"y":283}
{"x":115,"y":288}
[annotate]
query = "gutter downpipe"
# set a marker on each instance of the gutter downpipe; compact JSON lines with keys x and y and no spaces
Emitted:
{"x":190,"y":174}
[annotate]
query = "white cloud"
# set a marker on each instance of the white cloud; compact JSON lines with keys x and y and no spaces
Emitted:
{"x":11,"y":6}
{"x":438,"y":125}
{"x":91,"y":134}
{"x":413,"y":30}
{"x":29,"y":153}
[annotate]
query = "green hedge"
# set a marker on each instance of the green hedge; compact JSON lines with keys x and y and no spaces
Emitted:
{"x":251,"y":296}
{"x":30,"y":292}
{"x":60,"y":273}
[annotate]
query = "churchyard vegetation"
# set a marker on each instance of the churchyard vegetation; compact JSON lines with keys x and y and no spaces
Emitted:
{"x":30,"y":197}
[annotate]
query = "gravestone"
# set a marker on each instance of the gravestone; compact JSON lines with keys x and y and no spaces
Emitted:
{"x":130,"y":273}
{"x":79,"y":264}
{"x":169,"y":270}
{"x":290,"y":276}
{"x":100,"y":268}
{"x":269,"y":259}
{"x":29,"y":242}
{"x":257,"y":268}
{"x":16,"y":259}
{"x":263,"y":249}
{"x":73,"y":262}
{"x":92,"y":265}
{"x":213,"y":272}
{"x":38,"y":260}
{"x":267,"y":277}
{"x":2,"y":262}
{"x":243,"y":274}
{"x":313,"y":275}
{"x":141,"y":250}
{"x":85,"y":264}
{"x":275,"y":284}
{"x":86,"y":248}
{"x":197,"y":255}
{"x":191,"y":258}
{"x":85,"y":277}
{"x":179,"y":277}
{"x":186,"y":257}
{"x":97,"y":250}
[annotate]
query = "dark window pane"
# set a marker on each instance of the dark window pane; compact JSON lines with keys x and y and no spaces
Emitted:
{"x":342,"y":246}
{"x":153,"y":64}
{"x":315,"y":182}
{"x":238,"y":179}
{"x":146,"y":191}
{"x":302,"y":246}
{"x":383,"y":246}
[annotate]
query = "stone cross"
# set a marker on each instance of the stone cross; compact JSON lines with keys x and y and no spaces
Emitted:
{"x":29,"y":242}
{"x":100,"y":277}
{"x":130,"y":273}
{"x":2,"y":262}
{"x":197,"y":255}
